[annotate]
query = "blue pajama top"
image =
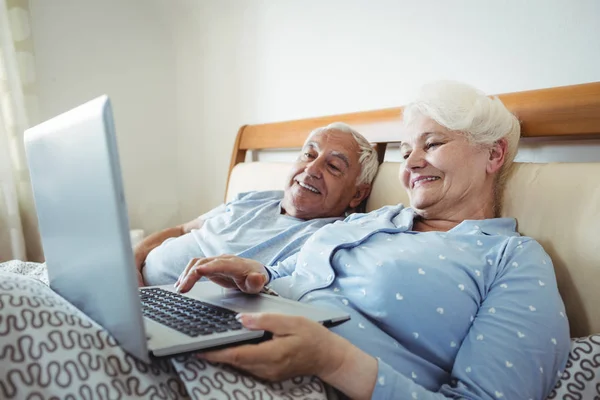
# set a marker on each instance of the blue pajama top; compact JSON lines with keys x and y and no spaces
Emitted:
{"x":470,"y":313}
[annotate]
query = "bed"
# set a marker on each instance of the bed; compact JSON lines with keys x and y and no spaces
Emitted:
{"x":557,"y":114}
{"x":557,"y":203}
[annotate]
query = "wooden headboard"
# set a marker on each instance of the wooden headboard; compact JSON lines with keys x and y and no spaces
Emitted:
{"x":559,"y":113}
{"x":558,"y":204}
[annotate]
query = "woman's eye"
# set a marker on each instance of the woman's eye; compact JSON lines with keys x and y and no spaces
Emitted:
{"x":405,"y":156}
{"x":431,"y":145}
{"x":308,"y":155}
{"x":333,"y":167}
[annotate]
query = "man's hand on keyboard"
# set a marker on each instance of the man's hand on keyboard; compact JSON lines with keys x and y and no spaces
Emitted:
{"x":228,"y":271}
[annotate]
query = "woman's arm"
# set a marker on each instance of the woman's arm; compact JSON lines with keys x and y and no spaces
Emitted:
{"x":302,"y":347}
{"x":283,"y":268}
{"x":516,"y":347}
{"x":245,"y":274}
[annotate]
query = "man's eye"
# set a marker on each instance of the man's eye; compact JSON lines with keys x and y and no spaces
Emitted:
{"x":405,"y":156}
{"x":308,"y":155}
{"x":334,"y":167}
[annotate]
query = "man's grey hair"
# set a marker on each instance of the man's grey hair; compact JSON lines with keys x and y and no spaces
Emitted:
{"x":367,"y":154}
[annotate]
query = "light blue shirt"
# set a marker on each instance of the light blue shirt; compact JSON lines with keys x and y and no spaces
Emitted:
{"x":250,"y":226}
{"x":470,"y":313}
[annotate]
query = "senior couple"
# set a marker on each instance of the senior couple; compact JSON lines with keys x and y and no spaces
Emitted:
{"x":447,"y":300}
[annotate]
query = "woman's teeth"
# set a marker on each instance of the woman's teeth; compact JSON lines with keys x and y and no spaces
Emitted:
{"x":432,"y":178}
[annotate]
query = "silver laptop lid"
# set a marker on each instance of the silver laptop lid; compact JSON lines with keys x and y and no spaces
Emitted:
{"x":78,"y":192}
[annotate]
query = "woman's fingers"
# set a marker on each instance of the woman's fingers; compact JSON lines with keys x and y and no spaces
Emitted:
{"x":254,"y":282}
{"x":186,"y":270}
{"x":190,"y":274}
{"x":298,"y":347}
{"x":277,"y":324}
{"x":245,"y":274}
{"x":264,"y":360}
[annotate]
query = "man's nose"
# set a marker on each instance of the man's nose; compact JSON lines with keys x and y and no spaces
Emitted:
{"x":315,"y":168}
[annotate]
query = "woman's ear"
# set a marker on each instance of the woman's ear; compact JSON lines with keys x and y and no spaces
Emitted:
{"x":497,"y":156}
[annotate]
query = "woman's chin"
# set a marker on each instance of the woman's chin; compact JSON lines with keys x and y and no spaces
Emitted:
{"x":421,"y":203}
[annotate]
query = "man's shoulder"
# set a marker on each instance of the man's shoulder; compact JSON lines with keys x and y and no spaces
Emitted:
{"x":259,"y":195}
{"x":389,"y":211}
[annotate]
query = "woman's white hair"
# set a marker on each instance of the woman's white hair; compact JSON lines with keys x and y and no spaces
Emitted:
{"x":367,"y":154}
{"x":460,"y":107}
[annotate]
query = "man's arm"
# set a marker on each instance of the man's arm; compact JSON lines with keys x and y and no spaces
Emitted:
{"x":142,"y":250}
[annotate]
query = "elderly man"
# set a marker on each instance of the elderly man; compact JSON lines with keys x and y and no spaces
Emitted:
{"x":330,"y":178}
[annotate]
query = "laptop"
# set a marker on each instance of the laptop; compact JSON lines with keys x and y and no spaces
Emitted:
{"x":82,"y":214}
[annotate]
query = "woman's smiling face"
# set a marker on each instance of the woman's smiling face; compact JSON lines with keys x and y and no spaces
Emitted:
{"x":441,"y":169}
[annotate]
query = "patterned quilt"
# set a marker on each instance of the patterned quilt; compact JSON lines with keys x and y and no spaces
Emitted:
{"x":51,"y":350}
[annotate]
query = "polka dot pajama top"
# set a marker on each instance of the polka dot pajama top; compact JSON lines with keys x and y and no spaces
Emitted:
{"x":470,"y":313}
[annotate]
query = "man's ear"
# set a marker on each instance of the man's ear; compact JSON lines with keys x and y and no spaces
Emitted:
{"x":362,"y":191}
{"x":497,"y":155}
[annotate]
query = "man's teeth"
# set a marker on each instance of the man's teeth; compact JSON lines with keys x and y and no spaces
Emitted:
{"x":305,"y":186}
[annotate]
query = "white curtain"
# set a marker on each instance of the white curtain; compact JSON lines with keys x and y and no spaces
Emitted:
{"x":19,"y":238}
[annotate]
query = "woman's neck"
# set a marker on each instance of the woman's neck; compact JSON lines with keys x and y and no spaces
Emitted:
{"x":425,"y":225}
{"x":427,"y":221}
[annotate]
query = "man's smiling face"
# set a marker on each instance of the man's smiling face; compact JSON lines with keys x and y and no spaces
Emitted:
{"x":323,"y":181}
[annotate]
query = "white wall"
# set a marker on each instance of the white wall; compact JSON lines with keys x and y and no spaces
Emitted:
{"x":251,"y":61}
{"x":212,"y":44}
{"x":86,"y":48}
{"x":320,"y":57}
{"x":262,"y":61}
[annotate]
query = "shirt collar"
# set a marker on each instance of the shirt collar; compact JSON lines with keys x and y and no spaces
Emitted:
{"x":491,"y":226}
{"x":283,"y":214}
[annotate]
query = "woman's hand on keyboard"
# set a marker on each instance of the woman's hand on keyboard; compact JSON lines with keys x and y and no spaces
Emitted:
{"x":228,"y":271}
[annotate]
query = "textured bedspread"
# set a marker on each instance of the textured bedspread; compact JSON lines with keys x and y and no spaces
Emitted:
{"x":49,"y":349}
{"x":34,"y":270}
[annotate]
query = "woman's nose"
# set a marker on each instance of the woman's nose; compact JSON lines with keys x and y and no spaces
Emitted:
{"x":415,"y":160}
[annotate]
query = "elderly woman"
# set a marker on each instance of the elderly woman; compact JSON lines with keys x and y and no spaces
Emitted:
{"x":447,"y":300}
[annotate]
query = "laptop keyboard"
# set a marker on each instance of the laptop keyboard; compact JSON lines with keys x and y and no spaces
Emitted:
{"x":186,"y":315}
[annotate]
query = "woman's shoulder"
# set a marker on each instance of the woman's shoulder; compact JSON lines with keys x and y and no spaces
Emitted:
{"x":523,"y":256}
{"x":501,"y":241}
